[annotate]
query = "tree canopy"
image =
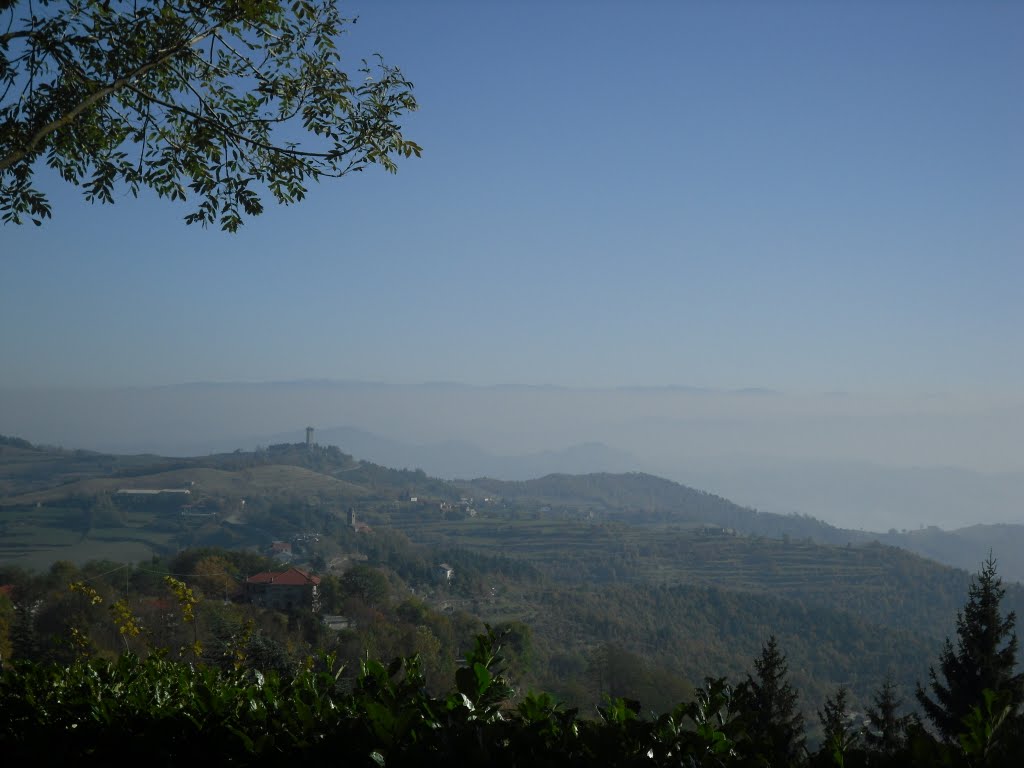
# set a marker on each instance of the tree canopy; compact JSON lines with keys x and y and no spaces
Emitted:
{"x":220,"y":103}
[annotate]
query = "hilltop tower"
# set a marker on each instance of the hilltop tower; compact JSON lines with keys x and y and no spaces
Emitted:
{"x":309,"y":437}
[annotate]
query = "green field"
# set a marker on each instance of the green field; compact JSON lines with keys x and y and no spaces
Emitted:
{"x":36,"y":536}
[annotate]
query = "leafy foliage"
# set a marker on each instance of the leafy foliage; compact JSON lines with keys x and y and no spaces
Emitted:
{"x":97,"y":711}
{"x":221,"y":101}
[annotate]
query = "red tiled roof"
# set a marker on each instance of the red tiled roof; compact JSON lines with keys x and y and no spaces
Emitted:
{"x":159,"y":603}
{"x":293,"y":577}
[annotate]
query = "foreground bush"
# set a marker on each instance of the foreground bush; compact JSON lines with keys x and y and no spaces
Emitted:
{"x":170,"y":713}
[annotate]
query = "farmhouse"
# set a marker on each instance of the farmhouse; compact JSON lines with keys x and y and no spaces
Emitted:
{"x":445,"y":572}
{"x":282,"y":550}
{"x":289,"y":590}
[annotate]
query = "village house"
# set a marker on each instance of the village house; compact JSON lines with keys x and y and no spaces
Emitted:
{"x":337,"y":622}
{"x":282,"y":550}
{"x":445,"y":572}
{"x":289,"y":590}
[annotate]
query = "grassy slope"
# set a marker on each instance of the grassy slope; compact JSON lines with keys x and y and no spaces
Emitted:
{"x":277,"y":480}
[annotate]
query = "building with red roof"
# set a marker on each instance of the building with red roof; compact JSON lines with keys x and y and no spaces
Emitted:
{"x":289,"y":590}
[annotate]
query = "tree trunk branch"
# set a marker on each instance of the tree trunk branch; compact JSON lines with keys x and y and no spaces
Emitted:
{"x":97,"y":96}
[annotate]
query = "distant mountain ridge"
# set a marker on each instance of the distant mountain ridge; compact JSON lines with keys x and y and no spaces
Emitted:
{"x":640,"y":494}
{"x":461,"y":459}
{"x":655,"y":497}
{"x":856,"y":461}
{"x":864,"y":495}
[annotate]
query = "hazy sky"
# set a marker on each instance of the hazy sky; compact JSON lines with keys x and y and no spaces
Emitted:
{"x":807,"y":196}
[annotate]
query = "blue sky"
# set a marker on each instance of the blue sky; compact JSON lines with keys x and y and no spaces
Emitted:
{"x":802,"y":196}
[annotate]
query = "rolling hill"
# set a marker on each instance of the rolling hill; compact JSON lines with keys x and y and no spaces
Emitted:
{"x":625,"y":566}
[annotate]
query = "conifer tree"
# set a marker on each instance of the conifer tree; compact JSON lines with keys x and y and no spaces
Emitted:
{"x":836,"y":722}
{"x":886,"y":733}
{"x":775,"y":721}
{"x":984,"y":658}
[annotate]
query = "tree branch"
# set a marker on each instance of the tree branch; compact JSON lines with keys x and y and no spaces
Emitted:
{"x":236,"y":135}
{"x":97,"y":96}
{"x":6,"y":37}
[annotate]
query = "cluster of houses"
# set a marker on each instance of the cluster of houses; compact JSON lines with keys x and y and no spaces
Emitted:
{"x":296,"y":589}
{"x":284,"y":551}
{"x":463,"y":505}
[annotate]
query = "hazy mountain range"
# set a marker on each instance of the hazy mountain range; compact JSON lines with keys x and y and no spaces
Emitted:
{"x":855,"y":495}
{"x":459,"y":459}
{"x":859,"y":462}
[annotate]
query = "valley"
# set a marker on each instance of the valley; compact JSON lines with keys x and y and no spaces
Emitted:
{"x":621,"y":579}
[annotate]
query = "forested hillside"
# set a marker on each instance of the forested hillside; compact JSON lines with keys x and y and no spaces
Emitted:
{"x":231,"y":691}
{"x":619,"y":583}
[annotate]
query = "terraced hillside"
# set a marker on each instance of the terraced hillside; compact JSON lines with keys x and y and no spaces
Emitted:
{"x":607,"y":570}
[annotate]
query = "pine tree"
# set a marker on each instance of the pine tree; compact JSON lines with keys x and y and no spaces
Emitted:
{"x":775,"y":723}
{"x":984,"y":659}
{"x":887,"y":729}
{"x":840,"y":733}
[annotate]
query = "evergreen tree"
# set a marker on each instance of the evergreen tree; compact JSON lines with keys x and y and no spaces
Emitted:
{"x":984,"y":659}
{"x":841,"y":736}
{"x":775,"y":721}
{"x":886,"y":733}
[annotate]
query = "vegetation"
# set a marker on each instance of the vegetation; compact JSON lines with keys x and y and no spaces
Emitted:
{"x":775,"y":721}
{"x":886,"y":729}
{"x":631,"y":590}
{"x":840,"y":733}
{"x":92,"y":710}
{"x":985,"y":660}
{"x":607,"y":597}
{"x":217,"y":101}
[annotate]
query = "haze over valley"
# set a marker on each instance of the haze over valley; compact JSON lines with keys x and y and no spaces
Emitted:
{"x":856,"y":461}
